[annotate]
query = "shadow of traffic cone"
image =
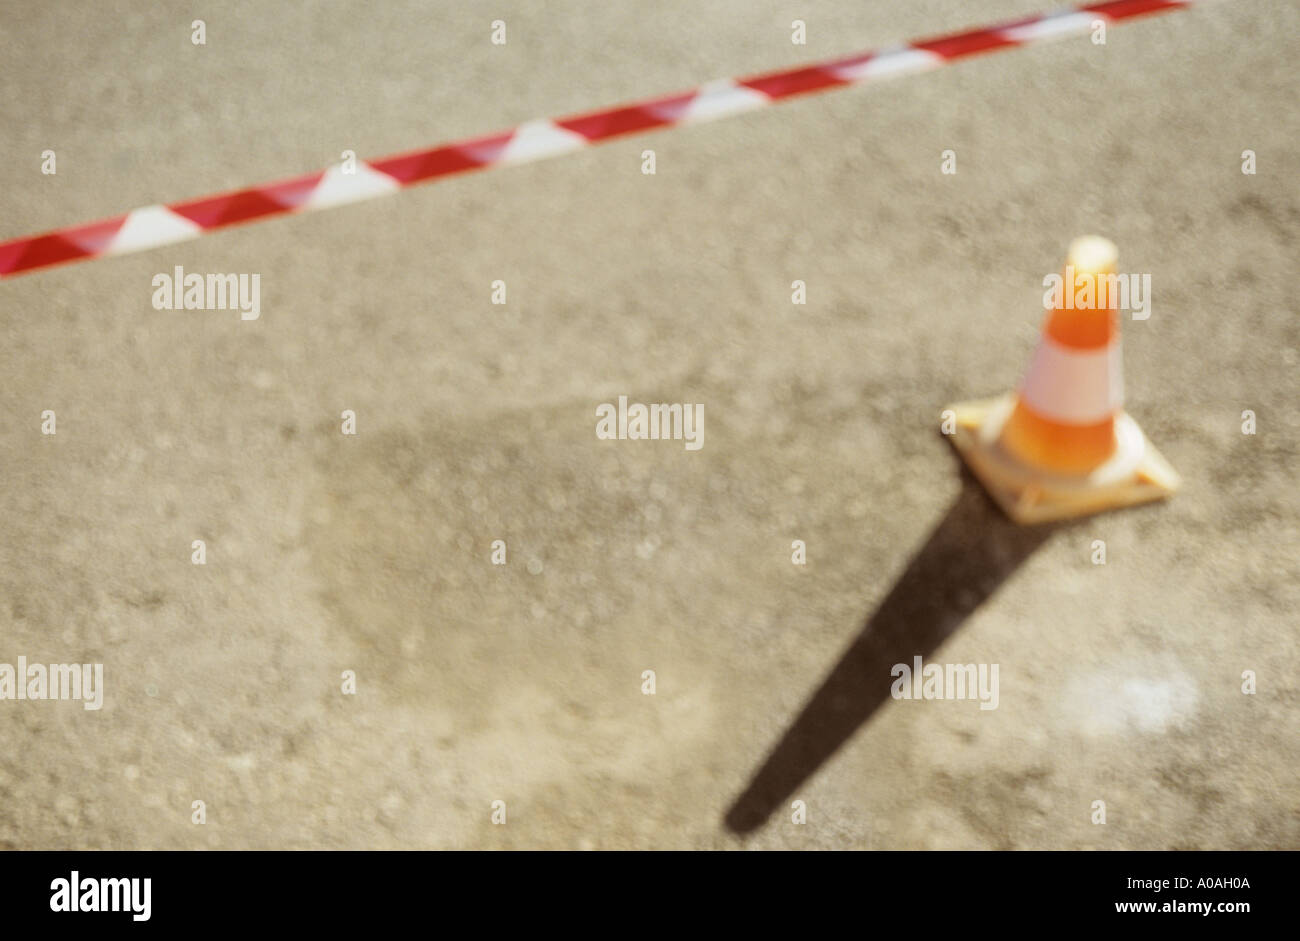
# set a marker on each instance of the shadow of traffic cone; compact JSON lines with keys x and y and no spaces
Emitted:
{"x":1062,"y":444}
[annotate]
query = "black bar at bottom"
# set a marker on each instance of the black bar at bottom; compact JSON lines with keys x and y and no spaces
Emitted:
{"x":332,"y":891}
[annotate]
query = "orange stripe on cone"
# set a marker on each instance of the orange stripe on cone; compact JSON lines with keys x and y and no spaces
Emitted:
{"x":1066,"y":406}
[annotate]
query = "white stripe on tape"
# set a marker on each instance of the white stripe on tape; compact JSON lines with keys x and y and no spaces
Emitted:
{"x":1074,"y":387}
{"x":721,"y":98}
{"x":896,"y":60}
{"x":534,"y":140}
{"x":337,"y":188}
{"x":1061,"y":23}
{"x":151,"y":226}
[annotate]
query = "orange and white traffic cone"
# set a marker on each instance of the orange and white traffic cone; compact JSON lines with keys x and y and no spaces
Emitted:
{"x":1062,"y":444}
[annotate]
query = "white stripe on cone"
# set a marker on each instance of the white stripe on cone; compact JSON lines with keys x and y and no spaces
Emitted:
{"x":1074,"y":387}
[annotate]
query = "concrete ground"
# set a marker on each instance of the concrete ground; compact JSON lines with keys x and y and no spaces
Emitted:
{"x":522,"y":683}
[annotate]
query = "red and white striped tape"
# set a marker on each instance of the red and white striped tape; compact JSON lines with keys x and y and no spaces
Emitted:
{"x":153,"y":226}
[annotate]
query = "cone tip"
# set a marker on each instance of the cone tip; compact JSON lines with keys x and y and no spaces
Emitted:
{"x":1093,"y":253}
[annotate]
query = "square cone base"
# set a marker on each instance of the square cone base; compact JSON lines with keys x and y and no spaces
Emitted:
{"x":1136,"y":473}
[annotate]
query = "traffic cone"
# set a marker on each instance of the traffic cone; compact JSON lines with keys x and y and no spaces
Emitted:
{"x":1062,"y":445}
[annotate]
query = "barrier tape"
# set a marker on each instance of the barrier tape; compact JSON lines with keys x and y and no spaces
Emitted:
{"x":157,"y":225}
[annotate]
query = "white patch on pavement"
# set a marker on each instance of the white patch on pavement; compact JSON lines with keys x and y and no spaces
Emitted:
{"x":1147,"y":697}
